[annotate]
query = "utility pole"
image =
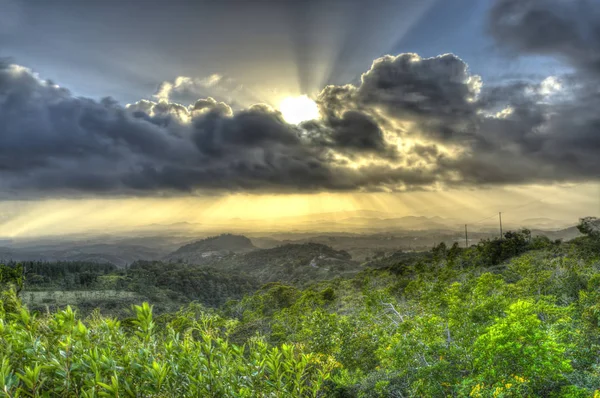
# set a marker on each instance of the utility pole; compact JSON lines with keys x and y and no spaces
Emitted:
{"x":500,"y":218}
{"x":466,"y":237}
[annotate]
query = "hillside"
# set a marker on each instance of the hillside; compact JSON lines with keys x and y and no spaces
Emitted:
{"x":510,"y":317}
{"x":215,"y":246}
{"x":291,"y":263}
{"x":294,"y":263}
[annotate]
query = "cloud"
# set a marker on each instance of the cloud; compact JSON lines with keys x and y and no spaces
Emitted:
{"x":52,"y":143}
{"x":436,"y":94}
{"x":569,"y":30}
{"x":351,"y":133}
{"x":185,"y":89}
{"x":411,"y":123}
{"x":189,"y":87}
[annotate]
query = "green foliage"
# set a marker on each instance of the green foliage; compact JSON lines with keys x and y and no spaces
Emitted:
{"x":590,"y":226}
{"x":589,"y":244}
{"x":65,"y":275}
{"x":507,"y":318}
{"x":11,"y":276}
{"x":224,"y":242}
{"x":495,"y":251}
{"x":511,"y":317}
{"x":291,"y":263}
{"x":182,"y":283}
{"x":61,"y":355}
{"x":519,"y":348}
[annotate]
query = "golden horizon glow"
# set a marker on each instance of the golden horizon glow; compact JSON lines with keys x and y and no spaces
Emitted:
{"x":258,"y":213}
{"x":298,"y":109}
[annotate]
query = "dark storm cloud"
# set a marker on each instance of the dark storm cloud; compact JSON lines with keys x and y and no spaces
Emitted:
{"x":408,"y":85}
{"x":357,"y":131}
{"x":549,"y":133}
{"x":54,"y":143}
{"x":536,"y":138}
{"x":410,"y":123}
{"x":437,"y":93}
{"x":567,"y":29}
{"x":518,"y":132}
{"x":351,"y":133}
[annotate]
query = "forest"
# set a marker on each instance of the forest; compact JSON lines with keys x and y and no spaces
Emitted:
{"x":514,"y":316}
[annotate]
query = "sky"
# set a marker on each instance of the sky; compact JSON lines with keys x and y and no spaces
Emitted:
{"x":129,"y":112}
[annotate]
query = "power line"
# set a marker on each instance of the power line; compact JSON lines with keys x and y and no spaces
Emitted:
{"x":513,"y":209}
{"x":483,"y":219}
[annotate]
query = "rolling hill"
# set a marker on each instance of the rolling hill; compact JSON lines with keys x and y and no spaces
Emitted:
{"x":207,"y":249}
{"x":292,"y":263}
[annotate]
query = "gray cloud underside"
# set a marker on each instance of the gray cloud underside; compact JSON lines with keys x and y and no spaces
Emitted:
{"x":412,"y":123}
{"x":569,"y":30}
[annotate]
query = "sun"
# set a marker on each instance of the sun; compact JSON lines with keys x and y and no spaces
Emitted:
{"x":298,"y":109}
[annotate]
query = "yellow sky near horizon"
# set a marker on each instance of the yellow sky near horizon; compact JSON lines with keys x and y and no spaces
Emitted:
{"x":261,"y":211}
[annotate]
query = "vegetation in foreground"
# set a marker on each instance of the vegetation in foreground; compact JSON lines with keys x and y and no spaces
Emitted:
{"x":511,"y":317}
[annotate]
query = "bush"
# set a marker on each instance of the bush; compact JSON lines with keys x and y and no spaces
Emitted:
{"x":61,"y":355}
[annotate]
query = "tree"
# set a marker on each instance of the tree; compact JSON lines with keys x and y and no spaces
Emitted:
{"x":590,"y":243}
{"x":11,"y":276}
{"x":589,"y":226}
{"x":519,"y":351}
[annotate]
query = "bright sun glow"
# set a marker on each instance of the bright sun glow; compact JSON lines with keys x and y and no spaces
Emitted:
{"x":298,"y":109}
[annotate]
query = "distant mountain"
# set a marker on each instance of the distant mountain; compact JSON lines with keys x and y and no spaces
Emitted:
{"x":219,"y":246}
{"x":336,"y":215}
{"x":544,"y":223}
{"x":564,"y":234}
{"x":265,"y":242}
{"x":183,"y":225}
{"x":360,"y":224}
{"x":421,"y":223}
{"x":6,"y":253}
{"x":357,"y":221}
